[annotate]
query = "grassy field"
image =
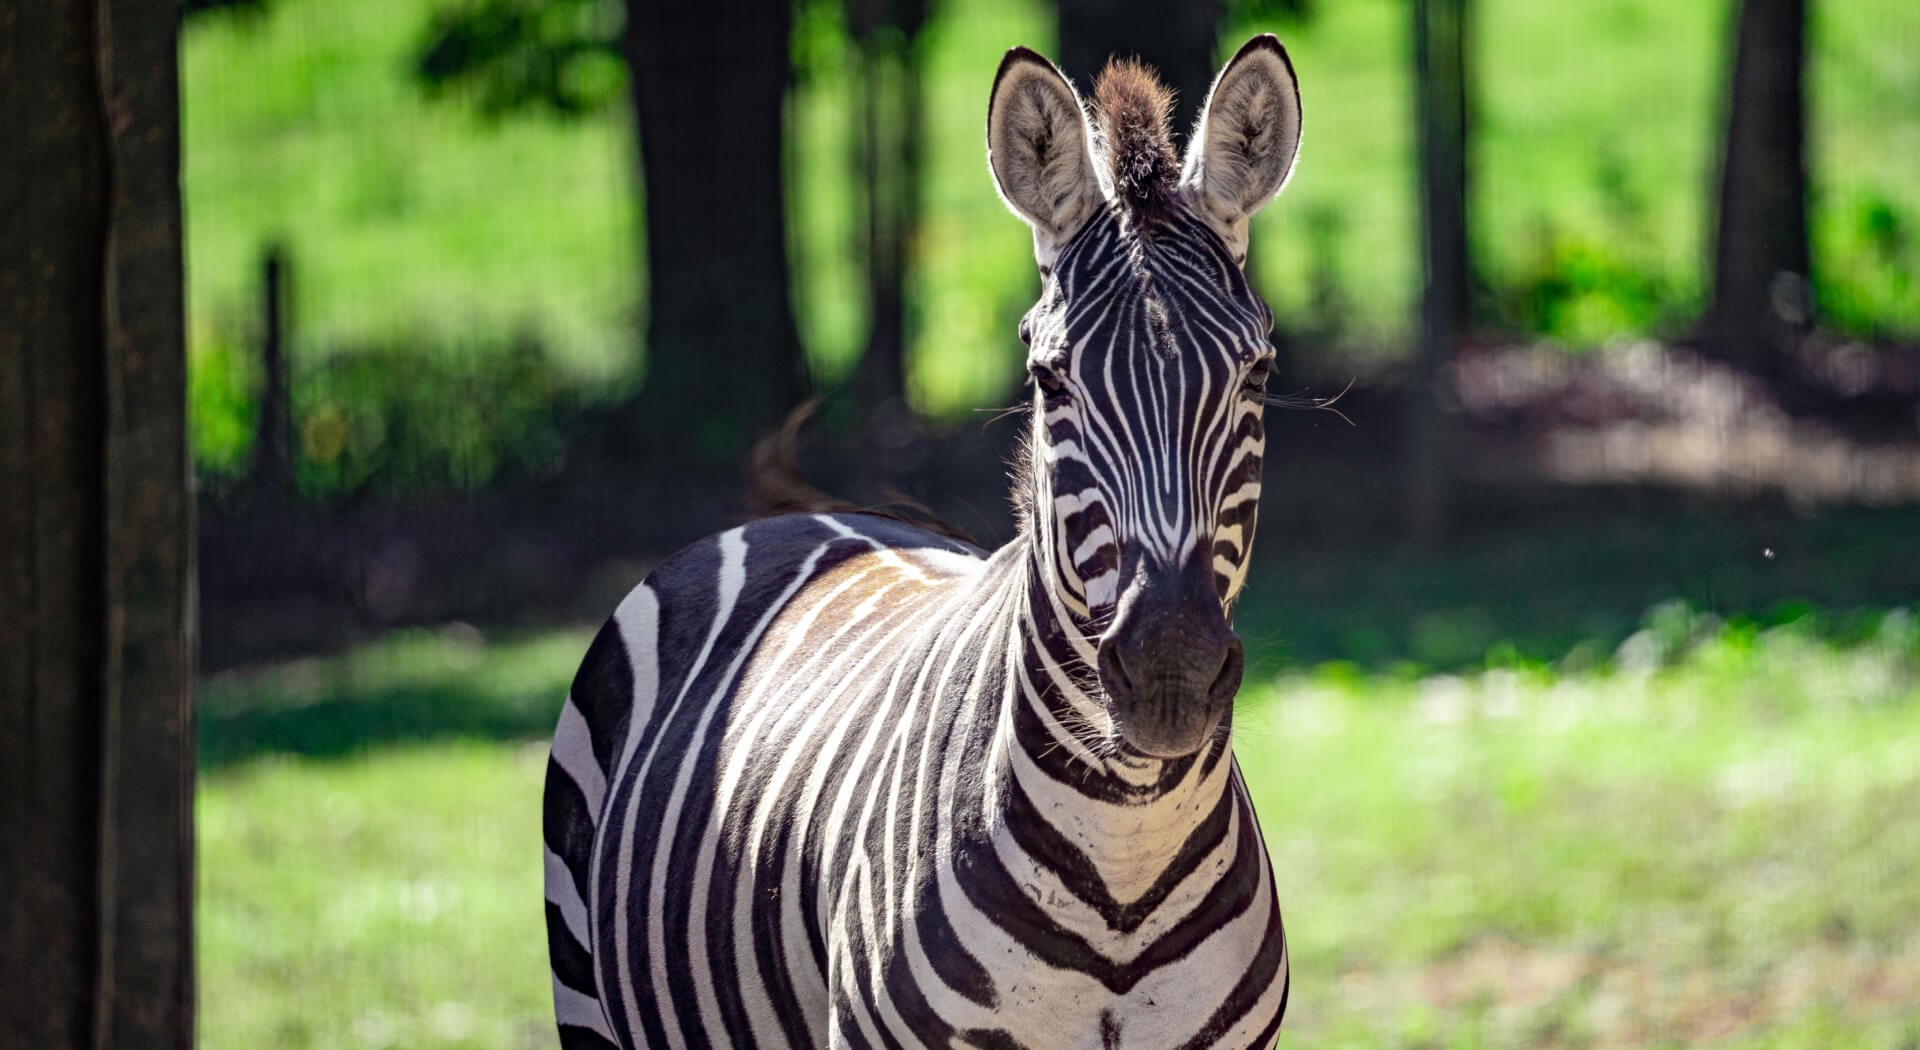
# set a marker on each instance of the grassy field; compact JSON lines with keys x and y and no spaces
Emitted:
{"x":1708,"y":844}
{"x":418,"y":224}
{"x":1581,"y":786}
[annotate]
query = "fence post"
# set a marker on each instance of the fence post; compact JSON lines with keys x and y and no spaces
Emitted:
{"x":273,"y":434}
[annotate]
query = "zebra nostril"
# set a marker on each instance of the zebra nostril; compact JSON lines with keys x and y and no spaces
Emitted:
{"x":1227,"y":682}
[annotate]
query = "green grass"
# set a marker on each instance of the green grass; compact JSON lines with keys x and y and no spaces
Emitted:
{"x":418,"y":224}
{"x":1711,"y":851}
{"x":1595,"y":154}
{"x":391,"y":900}
{"x":1703,"y":836}
{"x":409,"y":223}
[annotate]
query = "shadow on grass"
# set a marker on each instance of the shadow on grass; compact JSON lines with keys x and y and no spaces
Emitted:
{"x":411,"y":687}
{"x":355,"y":723}
{"x":1569,"y":583}
{"x":1564,"y":588}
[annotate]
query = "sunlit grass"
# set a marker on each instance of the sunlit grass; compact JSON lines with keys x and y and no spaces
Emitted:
{"x":1705,"y":837}
{"x":391,"y":900}
{"x":1670,"y":851}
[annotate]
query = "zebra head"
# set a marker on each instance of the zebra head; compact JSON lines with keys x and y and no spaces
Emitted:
{"x":1149,"y":357}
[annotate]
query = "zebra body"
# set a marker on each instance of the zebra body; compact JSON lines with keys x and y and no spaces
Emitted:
{"x":834,"y":780}
{"x":843,"y":823}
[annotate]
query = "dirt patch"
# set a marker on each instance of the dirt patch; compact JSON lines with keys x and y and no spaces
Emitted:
{"x":1655,"y":415}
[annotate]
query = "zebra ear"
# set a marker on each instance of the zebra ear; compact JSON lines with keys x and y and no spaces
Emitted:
{"x":1039,"y":147}
{"x":1246,"y":141}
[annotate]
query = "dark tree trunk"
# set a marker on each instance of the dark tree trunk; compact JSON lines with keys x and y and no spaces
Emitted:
{"x":888,"y":150}
{"x":1441,"y":107}
{"x":1761,"y":291}
{"x":1177,"y":39}
{"x":96,"y":745}
{"x":724,"y":363}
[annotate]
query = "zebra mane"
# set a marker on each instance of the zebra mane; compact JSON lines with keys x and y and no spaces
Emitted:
{"x":1130,"y":107}
{"x":1020,"y":473}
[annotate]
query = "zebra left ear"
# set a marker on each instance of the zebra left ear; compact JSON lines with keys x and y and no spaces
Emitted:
{"x":1039,"y":149}
{"x":1246,"y":141}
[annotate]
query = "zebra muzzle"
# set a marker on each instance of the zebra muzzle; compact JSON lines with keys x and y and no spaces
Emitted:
{"x":1169,"y":662}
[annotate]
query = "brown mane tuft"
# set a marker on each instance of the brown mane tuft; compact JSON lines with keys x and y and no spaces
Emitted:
{"x":1131,"y":107}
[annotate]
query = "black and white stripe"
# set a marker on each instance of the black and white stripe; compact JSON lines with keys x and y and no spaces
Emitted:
{"x":833,"y":780}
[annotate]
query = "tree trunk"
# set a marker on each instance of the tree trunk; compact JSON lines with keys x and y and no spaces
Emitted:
{"x":96,"y":744}
{"x":1441,"y":71}
{"x":884,"y":35}
{"x":1761,"y":291}
{"x":724,"y":362}
{"x":1177,"y":39}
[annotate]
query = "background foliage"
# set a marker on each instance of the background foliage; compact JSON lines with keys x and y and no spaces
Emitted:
{"x":419,"y":225}
{"x":1619,"y":762}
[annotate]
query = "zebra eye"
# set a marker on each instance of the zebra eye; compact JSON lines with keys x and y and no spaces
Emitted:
{"x":1048,"y":379}
{"x":1257,"y":375}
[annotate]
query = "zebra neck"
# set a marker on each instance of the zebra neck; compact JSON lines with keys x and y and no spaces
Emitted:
{"x":1073,"y":801}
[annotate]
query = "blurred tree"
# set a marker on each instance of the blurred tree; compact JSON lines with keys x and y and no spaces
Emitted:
{"x":561,"y":56}
{"x":724,"y":361}
{"x":708,"y":86}
{"x":1177,"y":39}
{"x":96,"y":762}
{"x":1442,"y":94}
{"x":884,"y":35}
{"x":1761,"y":291}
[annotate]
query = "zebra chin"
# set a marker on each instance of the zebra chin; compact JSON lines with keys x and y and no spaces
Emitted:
{"x":1169,"y":663}
{"x":1181,"y":709}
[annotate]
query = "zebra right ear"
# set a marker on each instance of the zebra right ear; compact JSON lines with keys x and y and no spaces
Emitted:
{"x":1244,"y":146}
{"x":1040,"y":149}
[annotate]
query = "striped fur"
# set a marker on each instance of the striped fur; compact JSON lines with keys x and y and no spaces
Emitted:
{"x":834,"y":780}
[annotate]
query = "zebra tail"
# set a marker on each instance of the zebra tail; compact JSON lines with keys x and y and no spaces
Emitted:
{"x":774,"y":485}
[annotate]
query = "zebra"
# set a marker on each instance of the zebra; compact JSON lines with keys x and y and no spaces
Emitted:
{"x":833,"y":779}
